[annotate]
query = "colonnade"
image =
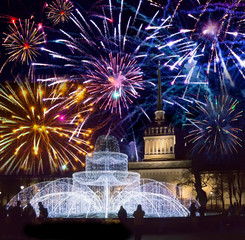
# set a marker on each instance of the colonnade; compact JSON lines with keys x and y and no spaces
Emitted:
{"x":160,"y":146}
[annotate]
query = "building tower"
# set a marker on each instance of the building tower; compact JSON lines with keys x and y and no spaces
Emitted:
{"x":159,"y":137}
{"x":159,"y":161}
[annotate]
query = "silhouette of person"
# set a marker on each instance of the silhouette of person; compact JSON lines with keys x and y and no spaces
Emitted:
{"x":122,"y":214}
{"x":3,"y":212}
{"x":236,"y":209}
{"x":243,"y":210}
{"x":193,"y":209}
{"x":15,"y":217}
{"x":3,"y":218}
{"x":231,"y":210}
{"x":138,"y":221}
{"x":43,"y":212}
{"x":15,"y":213}
{"x":201,"y":211}
{"x":29,"y":214}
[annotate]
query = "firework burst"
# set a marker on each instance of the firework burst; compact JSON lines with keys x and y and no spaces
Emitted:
{"x":115,"y":78}
{"x":36,"y":132}
{"x":211,"y":45}
{"x":214,"y":124}
{"x":108,"y":53}
{"x":23,"y":41}
{"x":59,"y":11}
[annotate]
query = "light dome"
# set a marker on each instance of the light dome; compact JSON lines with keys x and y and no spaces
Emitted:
{"x":106,"y":143}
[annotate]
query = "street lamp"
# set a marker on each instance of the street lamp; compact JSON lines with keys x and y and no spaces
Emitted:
{"x":211,"y":194}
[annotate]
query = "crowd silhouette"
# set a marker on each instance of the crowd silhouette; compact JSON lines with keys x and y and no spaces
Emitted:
{"x":15,"y":219}
{"x":138,"y":215}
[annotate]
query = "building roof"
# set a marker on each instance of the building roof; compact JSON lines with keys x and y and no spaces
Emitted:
{"x":160,"y":126}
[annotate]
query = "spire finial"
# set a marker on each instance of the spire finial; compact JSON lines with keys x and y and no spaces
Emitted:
{"x":159,"y":94}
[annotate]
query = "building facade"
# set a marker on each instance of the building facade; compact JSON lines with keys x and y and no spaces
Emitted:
{"x":159,"y":161}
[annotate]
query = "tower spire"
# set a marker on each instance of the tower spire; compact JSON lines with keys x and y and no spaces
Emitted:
{"x":159,"y":114}
{"x":159,"y":94}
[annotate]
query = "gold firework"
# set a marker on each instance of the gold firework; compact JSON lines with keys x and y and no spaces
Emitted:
{"x":59,"y":11}
{"x":36,"y":131}
{"x":23,"y":41}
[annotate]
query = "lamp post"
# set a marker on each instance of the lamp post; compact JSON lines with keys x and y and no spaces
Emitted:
{"x":211,"y":197}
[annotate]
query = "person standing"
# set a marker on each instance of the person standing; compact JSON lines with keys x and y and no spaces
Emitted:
{"x":43,"y":212}
{"x":193,"y":209}
{"x":29,"y":214}
{"x":15,"y":220}
{"x":138,"y":221}
{"x":122,"y":214}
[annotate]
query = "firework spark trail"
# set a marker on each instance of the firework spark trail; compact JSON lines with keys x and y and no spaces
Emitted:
{"x":111,"y":56}
{"x":103,"y":42}
{"x":175,"y":11}
{"x":202,"y":12}
{"x":23,"y":42}
{"x":110,"y":77}
{"x":214,"y":45}
{"x":59,"y":11}
{"x":35,"y":130}
{"x":214,"y":125}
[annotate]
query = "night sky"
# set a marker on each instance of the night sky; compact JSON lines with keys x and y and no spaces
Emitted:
{"x":177,"y":97}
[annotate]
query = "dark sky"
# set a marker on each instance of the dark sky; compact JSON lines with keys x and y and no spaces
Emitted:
{"x":26,"y":8}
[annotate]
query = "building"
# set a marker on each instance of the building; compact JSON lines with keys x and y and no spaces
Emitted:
{"x":159,"y":161}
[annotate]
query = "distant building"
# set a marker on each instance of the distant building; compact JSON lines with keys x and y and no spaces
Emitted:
{"x":159,"y":161}
{"x":223,"y":188}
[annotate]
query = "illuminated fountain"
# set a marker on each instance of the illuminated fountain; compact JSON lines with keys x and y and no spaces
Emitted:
{"x":102,"y":188}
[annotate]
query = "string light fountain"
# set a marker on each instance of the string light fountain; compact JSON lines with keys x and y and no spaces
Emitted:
{"x":100,"y":190}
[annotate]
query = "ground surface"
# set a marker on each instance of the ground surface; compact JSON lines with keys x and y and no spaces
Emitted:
{"x":206,"y":228}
